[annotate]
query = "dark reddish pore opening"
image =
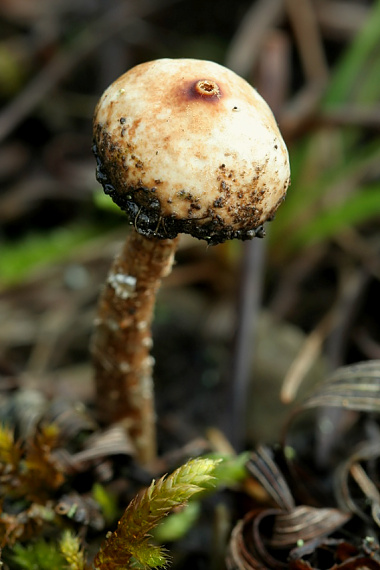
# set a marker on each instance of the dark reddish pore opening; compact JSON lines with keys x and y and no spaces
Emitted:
{"x":207,"y":88}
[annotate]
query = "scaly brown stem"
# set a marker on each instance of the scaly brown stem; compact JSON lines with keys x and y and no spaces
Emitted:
{"x":122,"y":339}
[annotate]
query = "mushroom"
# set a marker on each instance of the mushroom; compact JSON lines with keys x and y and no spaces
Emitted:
{"x":183,"y":146}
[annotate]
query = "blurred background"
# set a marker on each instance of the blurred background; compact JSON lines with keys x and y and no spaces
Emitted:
{"x":240,"y":328}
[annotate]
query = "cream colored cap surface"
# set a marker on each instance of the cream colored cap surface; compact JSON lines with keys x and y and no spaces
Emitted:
{"x":188,"y":146}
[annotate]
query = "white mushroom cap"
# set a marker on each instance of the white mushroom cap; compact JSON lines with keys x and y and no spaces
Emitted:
{"x":189,"y":146}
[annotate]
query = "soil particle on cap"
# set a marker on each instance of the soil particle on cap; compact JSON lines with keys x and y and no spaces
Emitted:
{"x":218,"y":203}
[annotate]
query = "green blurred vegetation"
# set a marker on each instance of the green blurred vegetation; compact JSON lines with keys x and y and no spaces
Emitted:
{"x":334,"y":168}
{"x":20,"y":259}
{"x":39,"y":554}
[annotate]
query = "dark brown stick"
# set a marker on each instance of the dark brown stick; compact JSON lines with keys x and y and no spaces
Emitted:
{"x":122,"y":339}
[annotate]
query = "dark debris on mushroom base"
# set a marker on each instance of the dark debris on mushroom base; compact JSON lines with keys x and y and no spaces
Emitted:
{"x":144,"y":212}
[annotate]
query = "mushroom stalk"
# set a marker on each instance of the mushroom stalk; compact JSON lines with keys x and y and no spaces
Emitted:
{"x":122,"y":338}
{"x":182,"y":146}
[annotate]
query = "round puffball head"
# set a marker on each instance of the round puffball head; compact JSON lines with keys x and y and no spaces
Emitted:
{"x":184,"y":145}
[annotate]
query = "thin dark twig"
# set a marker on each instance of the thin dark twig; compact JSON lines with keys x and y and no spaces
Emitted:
{"x":353,"y":288}
{"x":249,"y":300}
{"x":308,"y":37}
{"x":352,"y":115}
{"x":341,"y":19}
{"x":245,"y":47}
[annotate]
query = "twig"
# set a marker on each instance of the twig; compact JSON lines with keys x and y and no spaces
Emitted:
{"x":308,"y":38}
{"x":249,"y":301}
{"x":361,"y":249}
{"x":306,"y":357}
{"x":353,"y":288}
{"x":301,"y":110}
{"x":245,"y":47}
{"x":365,"y":483}
{"x":369,"y":346}
{"x":341,"y":19}
{"x":274,"y":70}
{"x":352,"y":115}
{"x":286,"y":295}
{"x":336,"y":319}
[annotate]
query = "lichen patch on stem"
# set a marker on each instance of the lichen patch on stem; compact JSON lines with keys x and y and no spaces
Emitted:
{"x":124,"y":285}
